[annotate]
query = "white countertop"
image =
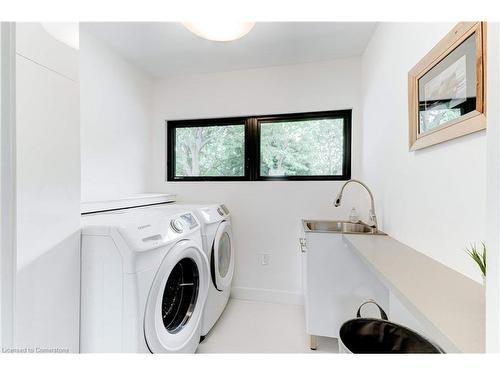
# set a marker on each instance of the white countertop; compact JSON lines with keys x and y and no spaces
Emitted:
{"x":128,"y":201}
{"x":446,"y":302}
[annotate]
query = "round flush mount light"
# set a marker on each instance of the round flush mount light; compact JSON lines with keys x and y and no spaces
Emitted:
{"x":65,"y":32}
{"x":219,"y":31}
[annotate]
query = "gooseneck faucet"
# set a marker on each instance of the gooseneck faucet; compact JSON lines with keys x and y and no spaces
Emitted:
{"x":371,"y":213}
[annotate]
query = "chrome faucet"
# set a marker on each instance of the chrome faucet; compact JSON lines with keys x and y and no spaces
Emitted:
{"x":371,"y":213}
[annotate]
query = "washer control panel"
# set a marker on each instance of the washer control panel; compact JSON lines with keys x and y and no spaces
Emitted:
{"x":190,"y":220}
{"x":185,"y":221}
{"x":159,"y":229}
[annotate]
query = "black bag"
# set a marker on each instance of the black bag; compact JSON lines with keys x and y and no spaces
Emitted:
{"x":380,"y":336}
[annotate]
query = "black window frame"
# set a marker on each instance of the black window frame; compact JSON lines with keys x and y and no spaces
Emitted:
{"x":175,"y":124}
{"x":252,"y":145}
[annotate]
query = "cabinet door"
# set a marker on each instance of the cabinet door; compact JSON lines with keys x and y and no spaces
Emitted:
{"x":48,"y":208}
{"x":337,"y":283}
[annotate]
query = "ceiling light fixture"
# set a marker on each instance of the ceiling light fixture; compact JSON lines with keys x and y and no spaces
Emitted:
{"x":219,"y":31}
{"x":65,"y":32}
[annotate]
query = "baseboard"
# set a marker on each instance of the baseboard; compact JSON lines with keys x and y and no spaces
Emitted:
{"x":267,"y":295}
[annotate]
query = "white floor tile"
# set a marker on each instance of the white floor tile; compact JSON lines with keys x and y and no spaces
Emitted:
{"x":260,"y":327}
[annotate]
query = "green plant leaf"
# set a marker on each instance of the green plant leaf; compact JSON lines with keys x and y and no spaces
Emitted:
{"x":478,"y":256}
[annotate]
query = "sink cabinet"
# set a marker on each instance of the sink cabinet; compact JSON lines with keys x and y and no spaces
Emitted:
{"x":335,"y":283}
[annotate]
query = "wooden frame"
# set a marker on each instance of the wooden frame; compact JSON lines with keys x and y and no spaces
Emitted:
{"x":468,"y":123}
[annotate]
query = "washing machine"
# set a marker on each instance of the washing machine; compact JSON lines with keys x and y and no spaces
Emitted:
{"x":218,"y":244}
{"x":145,"y":279}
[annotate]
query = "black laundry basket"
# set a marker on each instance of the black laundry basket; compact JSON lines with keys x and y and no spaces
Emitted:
{"x":380,"y":336}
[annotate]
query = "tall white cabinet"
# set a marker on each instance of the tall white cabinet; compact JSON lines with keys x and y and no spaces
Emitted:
{"x":48,"y":191}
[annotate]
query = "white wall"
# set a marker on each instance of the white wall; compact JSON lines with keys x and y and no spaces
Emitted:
{"x":116,"y":108}
{"x":493,"y":191}
{"x":48,"y":191}
{"x":1,"y":194}
{"x":1,"y":189}
{"x":433,"y":199}
{"x":266,"y":215}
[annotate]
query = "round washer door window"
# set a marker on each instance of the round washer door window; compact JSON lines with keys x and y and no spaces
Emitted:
{"x":223,"y":257}
{"x":224,"y":254}
{"x":180,"y":294}
{"x":176,"y":300}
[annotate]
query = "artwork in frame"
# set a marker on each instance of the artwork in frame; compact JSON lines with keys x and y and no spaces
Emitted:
{"x":446,"y":89}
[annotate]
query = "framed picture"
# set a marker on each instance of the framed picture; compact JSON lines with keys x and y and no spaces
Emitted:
{"x":446,"y":89}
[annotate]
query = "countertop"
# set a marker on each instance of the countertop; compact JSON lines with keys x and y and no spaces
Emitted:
{"x":447,"y":303}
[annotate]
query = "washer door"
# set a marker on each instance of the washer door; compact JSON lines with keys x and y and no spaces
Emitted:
{"x":222,"y":259}
{"x":176,"y":300}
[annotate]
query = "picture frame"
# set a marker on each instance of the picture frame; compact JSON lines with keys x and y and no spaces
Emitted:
{"x":446,"y":88}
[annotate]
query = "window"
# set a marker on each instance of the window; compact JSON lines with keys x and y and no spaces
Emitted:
{"x":204,"y":150}
{"x":303,"y":146}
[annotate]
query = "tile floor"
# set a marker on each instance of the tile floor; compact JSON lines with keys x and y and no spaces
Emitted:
{"x":260,"y":327}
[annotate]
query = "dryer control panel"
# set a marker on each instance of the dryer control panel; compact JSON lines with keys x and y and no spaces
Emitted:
{"x":214,"y":213}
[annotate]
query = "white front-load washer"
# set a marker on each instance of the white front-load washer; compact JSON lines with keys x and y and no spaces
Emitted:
{"x":145,"y":281}
{"x":218,"y":245}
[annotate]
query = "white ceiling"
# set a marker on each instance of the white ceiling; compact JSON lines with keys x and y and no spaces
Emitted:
{"x":167,"y":48}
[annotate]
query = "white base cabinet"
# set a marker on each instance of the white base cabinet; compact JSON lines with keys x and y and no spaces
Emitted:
{"x":336,"y":282}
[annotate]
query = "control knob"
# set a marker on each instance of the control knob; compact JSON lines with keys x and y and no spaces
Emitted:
{"x":177,"y":225}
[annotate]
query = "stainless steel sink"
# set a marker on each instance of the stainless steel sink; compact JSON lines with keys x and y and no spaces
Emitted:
{"x":339,"y":226}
